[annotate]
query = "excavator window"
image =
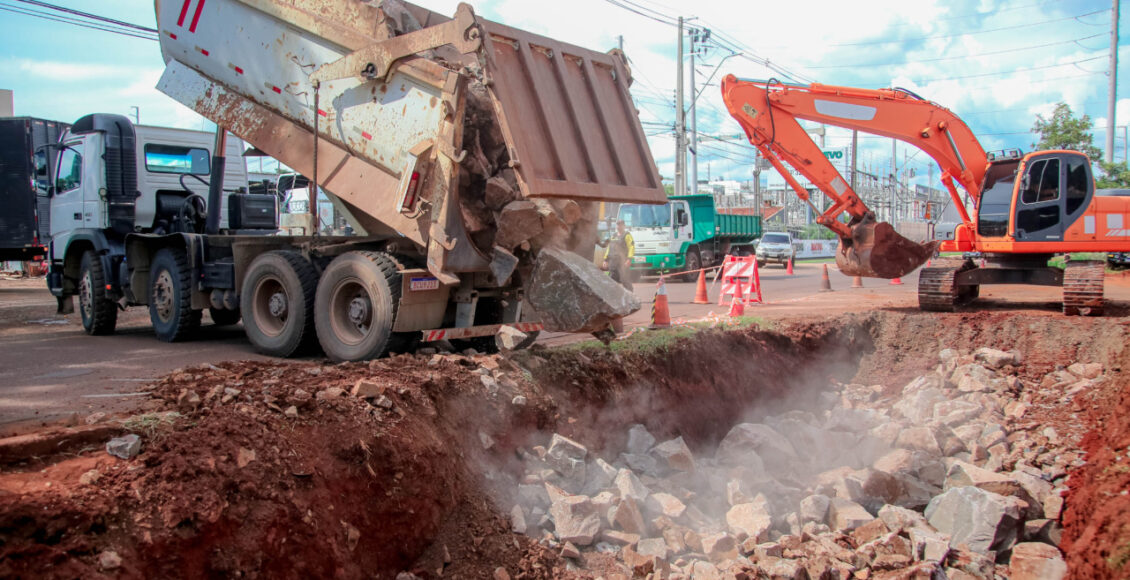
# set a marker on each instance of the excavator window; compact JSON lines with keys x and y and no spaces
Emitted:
{"x":1078,"y":183}
{"x":1042,"y":182}
{"x":1040,"y":215}
{"x":996,"y":199}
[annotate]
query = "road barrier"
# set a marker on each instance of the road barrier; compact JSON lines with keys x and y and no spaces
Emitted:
{"x":739,"y":271}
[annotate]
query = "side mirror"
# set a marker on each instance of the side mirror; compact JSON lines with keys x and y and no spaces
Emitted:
{"x":682,"y":218}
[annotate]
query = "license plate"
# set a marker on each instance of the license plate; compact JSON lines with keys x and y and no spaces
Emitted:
{"x":421,"y":284}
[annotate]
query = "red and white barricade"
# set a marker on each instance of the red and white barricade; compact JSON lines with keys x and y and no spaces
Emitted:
{"x":740,"y":279}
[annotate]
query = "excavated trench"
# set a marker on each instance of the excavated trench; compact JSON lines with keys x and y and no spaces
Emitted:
{"x":276,"y":470}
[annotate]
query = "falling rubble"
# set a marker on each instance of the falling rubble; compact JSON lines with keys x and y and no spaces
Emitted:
{"x":947,"y":475}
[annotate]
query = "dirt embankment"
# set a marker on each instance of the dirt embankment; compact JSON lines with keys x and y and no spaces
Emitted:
{"x":238,"y":483}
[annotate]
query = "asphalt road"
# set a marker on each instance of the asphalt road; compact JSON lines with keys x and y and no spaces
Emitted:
{"x":50,"y":369}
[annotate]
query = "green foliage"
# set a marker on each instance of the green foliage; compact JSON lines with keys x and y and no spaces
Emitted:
{"x":1115,"y":175}
{"x":669,"y":188}
{"x":817,"y":232}
{"x":1059,"y":262}
{"x":651,"y":341}
{"x":1064,"y":131}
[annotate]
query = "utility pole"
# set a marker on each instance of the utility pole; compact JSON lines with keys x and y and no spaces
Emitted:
{"x":680,"y":122}
{"x":1112,"y":92}
{"x":620,"y":44}
{"x":894,"y":178}
{"x":694,"y":118}
{"x":854,"y":151}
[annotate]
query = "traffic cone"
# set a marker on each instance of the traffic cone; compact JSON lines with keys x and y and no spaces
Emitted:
{"x":789,"y":267}
{"x":700,"y":291}
{"x":896,"y":281}
{"x":857,"y":282}
{"x":825,"y":283}
{"x":737,"y":307}
{"x":927,"y":263}
{"x":660,"y":313}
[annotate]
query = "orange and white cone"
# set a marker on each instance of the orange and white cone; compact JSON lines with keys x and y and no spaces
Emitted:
{"x":660,"y":312}
{"x":825,"y":282}
{"x":737,"y":307}
{"x":700,"y":291}
{"x":789,"y":267}
{"x":896,"y":281}
{"x":857,"y":282}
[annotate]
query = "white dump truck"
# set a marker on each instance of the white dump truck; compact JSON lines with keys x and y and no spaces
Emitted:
{"x":468,"y":155}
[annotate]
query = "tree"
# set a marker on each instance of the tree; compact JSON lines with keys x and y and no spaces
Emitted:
{"x":1064,"y":131}
{"x":817,"y":232}
{"x":1116,"y":175}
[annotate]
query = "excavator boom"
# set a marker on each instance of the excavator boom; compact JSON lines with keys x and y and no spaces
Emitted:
{"x":768,"y":111}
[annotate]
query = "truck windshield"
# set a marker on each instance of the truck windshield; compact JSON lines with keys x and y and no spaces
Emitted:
{"x":646,"y":216}
{"x":775,"y":238}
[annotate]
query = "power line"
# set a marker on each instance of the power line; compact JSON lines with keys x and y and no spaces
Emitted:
{"x":97,"y":24}
{"x":985,"y":31}
{"x":52,"y":18}
{"x":1016,"y":70}
{"x":90,"y":16}
{"x":630,"y":8}
{"x":968,"y":56}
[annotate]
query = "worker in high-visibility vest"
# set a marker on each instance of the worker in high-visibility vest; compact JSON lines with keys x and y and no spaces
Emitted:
{"x":618,"y":256}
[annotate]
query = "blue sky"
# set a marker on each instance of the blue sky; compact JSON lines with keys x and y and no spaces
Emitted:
{"x":996,"y":64}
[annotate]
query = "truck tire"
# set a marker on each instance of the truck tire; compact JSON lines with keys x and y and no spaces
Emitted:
{"x":99,"y":313}
{"x":694,"y":262}
{"x":170,"y":296}
{"x":355,"y":306}
{"x":277,"y":303}
{"x":223,"y":317}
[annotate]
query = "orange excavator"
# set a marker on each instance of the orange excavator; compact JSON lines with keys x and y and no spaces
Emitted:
{"x":1022,"y":208}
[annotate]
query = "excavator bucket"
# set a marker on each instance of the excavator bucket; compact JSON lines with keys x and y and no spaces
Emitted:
{"x":876,"y":250}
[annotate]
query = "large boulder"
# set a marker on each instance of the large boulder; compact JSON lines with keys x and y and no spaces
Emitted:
{"x":980,"y":519}
{"x":1036,"y":561}
{"x":572,"y":295}
{"x":575,"y":519}
{"x":758,"y":440}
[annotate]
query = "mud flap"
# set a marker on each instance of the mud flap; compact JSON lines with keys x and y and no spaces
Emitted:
{"x":876,"y":250}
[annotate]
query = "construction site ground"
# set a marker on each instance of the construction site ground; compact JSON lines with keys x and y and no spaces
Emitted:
{"x":270,"y":468}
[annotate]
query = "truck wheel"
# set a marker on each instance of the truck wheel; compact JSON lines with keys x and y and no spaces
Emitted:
{"x":355,"y":305}
{"x":99,"y":313}
{"x":223,"y":317}
{"x":277,"y":303}
{"x":170,"y":296}
{"x":694,"y":262}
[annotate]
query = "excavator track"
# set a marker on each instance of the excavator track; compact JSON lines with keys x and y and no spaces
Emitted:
{"x":1083,"y":288}
{"x":937,"y":291}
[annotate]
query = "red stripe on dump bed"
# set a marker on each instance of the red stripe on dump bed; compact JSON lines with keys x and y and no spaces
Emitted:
{"x":196,"y":16}
{"x":183,"y":13}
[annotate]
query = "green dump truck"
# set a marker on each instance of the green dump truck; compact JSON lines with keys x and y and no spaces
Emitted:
{"x":687,"y":233}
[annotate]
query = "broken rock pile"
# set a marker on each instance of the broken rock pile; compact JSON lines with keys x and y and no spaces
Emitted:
{"x":951,"y":474}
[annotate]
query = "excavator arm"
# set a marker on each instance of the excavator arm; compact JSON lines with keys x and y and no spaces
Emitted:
{"x":769,"y":112}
